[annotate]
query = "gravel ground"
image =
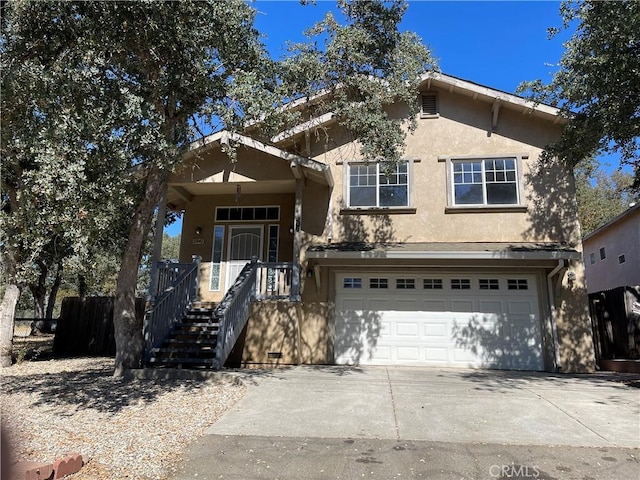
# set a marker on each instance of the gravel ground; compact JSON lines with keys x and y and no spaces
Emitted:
{"x":124,"y":429}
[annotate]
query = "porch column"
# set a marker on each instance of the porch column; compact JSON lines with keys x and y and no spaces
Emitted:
{"x":157,"y":244}
{"x":297,"y":240}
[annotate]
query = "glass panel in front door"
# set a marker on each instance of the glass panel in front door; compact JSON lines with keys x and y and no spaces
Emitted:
{"x":245,"y":242}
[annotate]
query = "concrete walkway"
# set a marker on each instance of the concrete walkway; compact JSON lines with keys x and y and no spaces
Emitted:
{"x":391,"y":412}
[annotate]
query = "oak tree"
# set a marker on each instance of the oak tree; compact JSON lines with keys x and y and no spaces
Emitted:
{"x":146,"y":73}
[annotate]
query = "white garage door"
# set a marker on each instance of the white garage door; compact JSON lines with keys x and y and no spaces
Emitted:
{"x":456,"y":320}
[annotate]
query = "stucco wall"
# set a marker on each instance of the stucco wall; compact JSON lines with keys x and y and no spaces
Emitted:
{"x":282,"y":333}
{"x":575,"y":334}
{"x":463,"y":129}
{"x":621,"y":238}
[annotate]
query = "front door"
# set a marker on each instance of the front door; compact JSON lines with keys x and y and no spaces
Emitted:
{"x":245,"y":242}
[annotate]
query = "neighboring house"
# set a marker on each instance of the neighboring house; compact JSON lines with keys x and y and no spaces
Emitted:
{"x":612,"y":252}
{"x":463,"y":256}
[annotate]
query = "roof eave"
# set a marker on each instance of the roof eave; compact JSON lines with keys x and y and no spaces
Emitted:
{"x":459,"y":255}
{"x":441,"y":80}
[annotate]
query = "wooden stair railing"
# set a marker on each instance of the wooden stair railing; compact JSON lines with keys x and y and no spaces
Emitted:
{"x":179,"y":284}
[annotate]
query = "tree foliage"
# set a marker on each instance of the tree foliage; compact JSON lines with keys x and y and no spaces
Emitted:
{"x":112,"y":91}
{"x":364,"y":65}
{"x":601,"y":197}
{"x":599,"y":80}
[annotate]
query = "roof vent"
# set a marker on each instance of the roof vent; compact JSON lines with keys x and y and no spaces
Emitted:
{"x":429,"y":105}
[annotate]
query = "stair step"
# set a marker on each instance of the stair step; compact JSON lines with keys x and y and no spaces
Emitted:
{"x":181,"y":361}
{"x":199,"y":314}
{"x":204,"y":305}
{"x":163,"y":351}
{"x":190,"y":341}
{"x":204,"y":327}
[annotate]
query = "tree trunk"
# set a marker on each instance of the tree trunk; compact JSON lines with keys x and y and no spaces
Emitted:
{"x":39,"y":294}
{"x":39,"y":291}
{"x":7,"y":312}
{"x":128,"y":328}
{"x":53,"y":293}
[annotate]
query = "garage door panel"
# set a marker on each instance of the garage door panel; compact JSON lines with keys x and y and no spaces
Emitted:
{"x":378,"y":305}
{"x":407,"y":329}
{"x":520,"y":308}
{"x":436,"y":354}
{"x":383,"y":353}
{"x":446,"y":327}
{"x":384,"y":327}
{"x":352,"y":304}
{"x":438,"y":330}
{"x":461,"y":306}
{"x":407,"y":305}
{"x":408,"y":354}
{"x":433,"y":306}
{"x":493,"y":306}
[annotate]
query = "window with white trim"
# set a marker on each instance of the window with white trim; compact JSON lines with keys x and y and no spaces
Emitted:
{"x":517,"y":284}
{"x":492,"y":181}
{"x":489,"y":284}
{"x":378,"y":283}
{"x":247,"y":214}
{"x":272,"y":256}
{"x":216,"y":257}
{"x":352,"y":282}
{"x":460,"y":284}
{"x":405,"y":283}
{"x":376,"y":185}
{"x":432,"y":283}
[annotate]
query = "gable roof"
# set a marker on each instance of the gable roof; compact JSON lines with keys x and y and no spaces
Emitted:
{"x":319,"y":170}
{"x":496,"y":97}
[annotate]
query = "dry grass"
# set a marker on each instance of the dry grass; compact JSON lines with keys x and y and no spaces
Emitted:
{"x":133,"y":429}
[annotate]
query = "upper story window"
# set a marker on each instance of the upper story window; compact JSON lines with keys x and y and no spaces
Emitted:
{"x":485,"y":182}
{"x":370,"y":185}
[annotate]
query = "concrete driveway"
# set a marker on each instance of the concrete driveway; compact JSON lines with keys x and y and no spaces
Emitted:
{"x":412,"y":422}
{"x":408,"y":403}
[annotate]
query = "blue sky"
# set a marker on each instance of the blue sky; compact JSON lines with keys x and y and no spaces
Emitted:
{"x":497,"y":44}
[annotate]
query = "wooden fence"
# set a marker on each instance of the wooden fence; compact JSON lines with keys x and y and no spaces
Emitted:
{"x":616,"y":323}
{"x":85,"y":326}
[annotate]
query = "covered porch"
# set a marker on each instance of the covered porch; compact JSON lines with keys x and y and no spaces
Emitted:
{"x":241,"y":234}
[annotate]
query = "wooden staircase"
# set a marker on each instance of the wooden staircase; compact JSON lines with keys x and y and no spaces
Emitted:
{"x":191,"y":342}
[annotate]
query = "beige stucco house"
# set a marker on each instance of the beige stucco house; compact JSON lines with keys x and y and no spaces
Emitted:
{"x":465,"y":255}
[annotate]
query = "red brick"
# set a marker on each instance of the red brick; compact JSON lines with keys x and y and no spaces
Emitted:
{"x":32,"y":471}
{"x":67,"y":465}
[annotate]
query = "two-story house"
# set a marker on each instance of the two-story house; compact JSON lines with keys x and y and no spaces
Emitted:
{"x":465,"y":254}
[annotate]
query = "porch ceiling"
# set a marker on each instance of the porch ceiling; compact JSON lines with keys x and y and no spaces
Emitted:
{"x":180,"y":194}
